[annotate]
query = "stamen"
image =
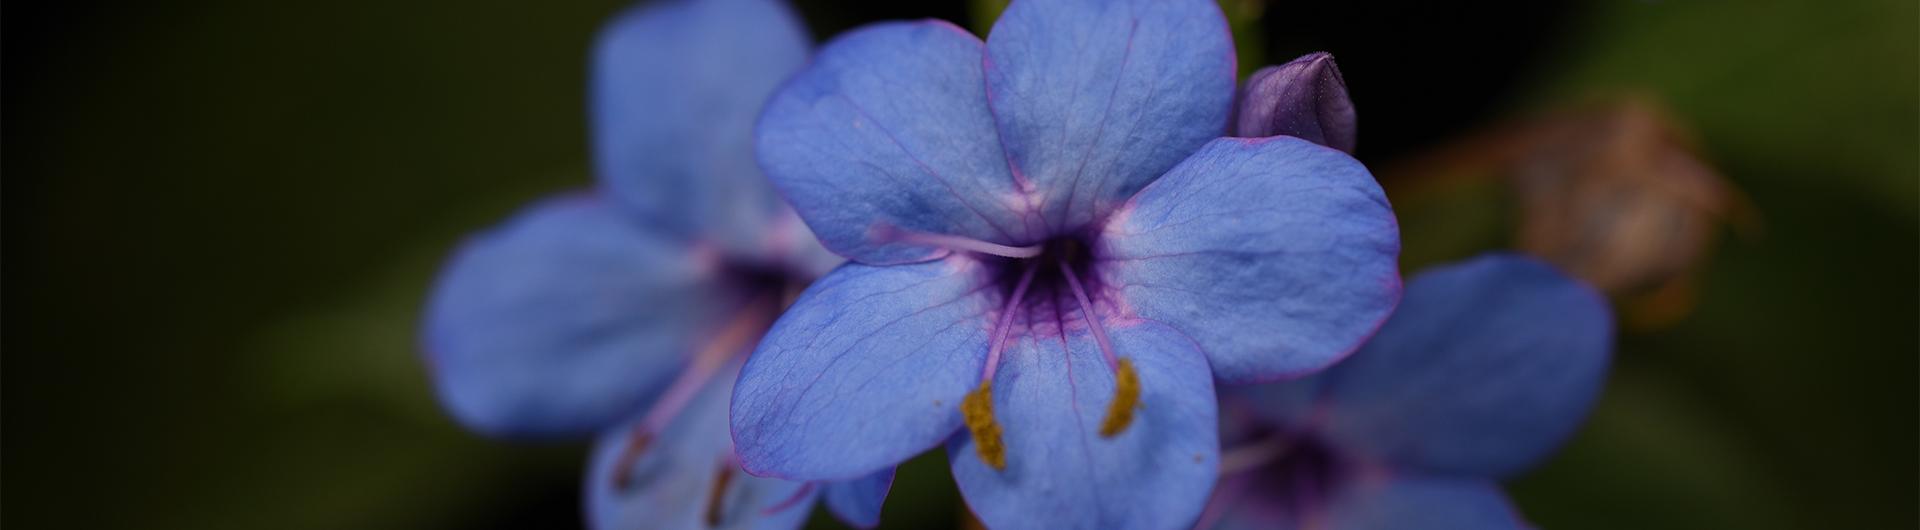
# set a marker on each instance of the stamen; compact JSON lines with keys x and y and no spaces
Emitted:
{"x":731,"y":341}
{"x":717,"y":498}
{"x":637,"y":442}
{"x":1126,"y":382}
{"x":964,"y":243}
{"x":1006,"y":322}
{"x":1086,"y":311}
{"x":977,"y":408}
{"x":1254,"y":455}
{"x":1126,"y":397}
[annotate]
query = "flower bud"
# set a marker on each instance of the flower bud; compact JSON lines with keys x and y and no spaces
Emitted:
{"x":1305,"y":98}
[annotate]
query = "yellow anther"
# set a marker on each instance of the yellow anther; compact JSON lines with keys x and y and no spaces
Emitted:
{"x":1126,"y":397}
{"x":716,"y":499}
{"x":977,"y":408}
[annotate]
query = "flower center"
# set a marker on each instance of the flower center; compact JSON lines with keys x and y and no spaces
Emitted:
{"x":1052,"y":272}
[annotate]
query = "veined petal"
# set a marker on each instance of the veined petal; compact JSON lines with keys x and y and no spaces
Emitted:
{"x":677,"y":85}
{"x":1095,"y":98}
{"x":671,"y":479}
{"x":865,"y":370}
{"x":1275,"y":254}
{"x":857,"y":502}
{"x":888,"y":131}
{"x":1487,"y":366}
{"x":1050,"y":396}
{"x":566,"y":319}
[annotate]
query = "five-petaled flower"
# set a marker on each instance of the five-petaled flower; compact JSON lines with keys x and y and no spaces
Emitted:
{"x":627,"y":311}
{"x":1054,"y":256}
{"x":1484,"y":369}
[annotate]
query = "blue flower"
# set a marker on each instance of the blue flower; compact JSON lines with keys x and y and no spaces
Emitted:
{"x":1485,"y":368}
{"x":627,"y":311}
{"x":1054,"y":255}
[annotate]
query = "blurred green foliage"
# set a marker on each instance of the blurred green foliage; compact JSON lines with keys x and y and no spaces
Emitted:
{"x":224,"y":216}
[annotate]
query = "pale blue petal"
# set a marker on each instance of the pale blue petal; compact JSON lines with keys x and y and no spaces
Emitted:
{"x":677,"y":85}
{"x":566,"y":319}
{"x":670,"y":482}
{"x":857,"y":502}
{"x":888,"y":131}
{"x":1275,"y":254}
{"x":1050,"y":396}
{"x":1487,"y":366}
{"x":1096,"y":98}
{"x":865,"y":370}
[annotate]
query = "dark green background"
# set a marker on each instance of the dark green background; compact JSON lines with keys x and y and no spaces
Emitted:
{"x":220,"y":217}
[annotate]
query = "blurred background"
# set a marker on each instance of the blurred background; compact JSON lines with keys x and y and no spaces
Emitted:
{"x":221,"y":217}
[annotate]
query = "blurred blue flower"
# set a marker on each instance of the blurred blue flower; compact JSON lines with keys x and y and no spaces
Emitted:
{"x":1053,"y":248}
{"x":1486,"y":367}
{"x":626,"y":311}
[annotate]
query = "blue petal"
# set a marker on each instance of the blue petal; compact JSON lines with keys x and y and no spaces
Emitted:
{"x":1275,"y":254}
{"x":857,"y":502}
{"x":676,"y":87}
{"x":1289,"y":404}
{"x":865,"y":370}
{"x":1096,"y":98}
{"x":1374,"y":503}
{"x":1050,"y":397}
{"x":1486,"y":367}
{"x":566,"y":319}
{"x":1421,"y":502}
{"x":670,"y":482}
{"x":888,"y":130}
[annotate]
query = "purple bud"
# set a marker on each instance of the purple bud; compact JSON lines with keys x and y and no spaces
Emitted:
{"x":1305,"y":98}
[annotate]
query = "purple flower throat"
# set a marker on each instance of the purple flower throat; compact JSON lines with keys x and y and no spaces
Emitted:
{"x":1038,"y":281}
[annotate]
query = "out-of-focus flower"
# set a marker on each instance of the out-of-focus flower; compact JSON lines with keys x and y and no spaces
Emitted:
{"x":1616,"y":195}
{"x":1305,"y":98}
{"x":1614,"y":192}
{"x":1054,"y":256}
{"x":1486,"y":366}
{"x":627,"y":311}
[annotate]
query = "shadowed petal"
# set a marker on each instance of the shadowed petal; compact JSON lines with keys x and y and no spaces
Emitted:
{"x":1095,"y":98}
{"x":1288,"y":404}
{"x":677,"y":85}
{"x":857,"y":502}
{"x":865,"y":370}
{"x":1275,"y":254}
{"x":1421,"y":502}
{"x":566,"y":319}
{"x":670,"y":480}
{"x":888,"y":130}
{"x":1374,"y":503}
{"x":1060,"y":472}
{"x":1485,"y":368}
